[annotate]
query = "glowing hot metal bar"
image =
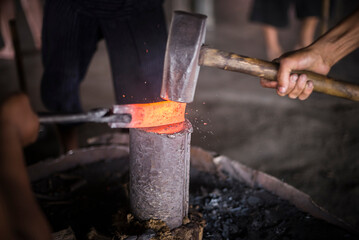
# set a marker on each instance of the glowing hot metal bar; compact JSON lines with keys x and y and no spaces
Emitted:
{"x":127,"y":116}
{"x":150,"y":114}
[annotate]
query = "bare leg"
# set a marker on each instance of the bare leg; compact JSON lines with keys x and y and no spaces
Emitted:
{"x":69,"y":138}
{"x":7,"y":12}
{"x":274,"y":50}
{"x":307,"y":32}
{"x":33,"y":13}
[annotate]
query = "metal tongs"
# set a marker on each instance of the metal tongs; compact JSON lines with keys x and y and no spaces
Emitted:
{"x":101,"y":115}
{"x":137,"y":115}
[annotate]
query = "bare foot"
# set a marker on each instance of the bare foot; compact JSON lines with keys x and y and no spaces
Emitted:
{"x":7,"y":53}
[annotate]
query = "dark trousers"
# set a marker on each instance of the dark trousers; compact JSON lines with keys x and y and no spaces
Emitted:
{"x":135,"y":36}
{"x":275,"y":12}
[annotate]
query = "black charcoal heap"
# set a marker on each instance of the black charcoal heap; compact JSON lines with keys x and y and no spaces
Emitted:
{"x":233,"y":210}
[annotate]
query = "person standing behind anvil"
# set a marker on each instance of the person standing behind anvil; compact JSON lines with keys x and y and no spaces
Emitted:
{"x":135,"y":35}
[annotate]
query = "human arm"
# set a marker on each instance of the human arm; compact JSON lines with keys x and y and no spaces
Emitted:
{"x":19,"y":127}
{"x":318,"y":57}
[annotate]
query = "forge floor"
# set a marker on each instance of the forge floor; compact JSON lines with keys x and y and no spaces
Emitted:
{"x":92,"y":200}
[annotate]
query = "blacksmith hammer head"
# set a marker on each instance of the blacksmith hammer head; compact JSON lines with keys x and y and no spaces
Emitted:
{"x":180,"y":73}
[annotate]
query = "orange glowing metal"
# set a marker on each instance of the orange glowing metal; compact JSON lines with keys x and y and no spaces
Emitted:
{"x":167,"y":129}
{"x":150,"y":114}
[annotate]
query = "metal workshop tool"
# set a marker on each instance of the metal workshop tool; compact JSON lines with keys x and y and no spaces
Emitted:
{"x":127,"y":116}
{"x":102,"y":115}
{"x":185,"y":53}
{"x":159,"y":172}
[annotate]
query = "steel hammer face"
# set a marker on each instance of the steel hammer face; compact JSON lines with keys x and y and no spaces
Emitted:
{"x":181,"y":68}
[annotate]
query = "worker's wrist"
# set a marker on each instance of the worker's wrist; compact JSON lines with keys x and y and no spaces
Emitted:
{"x":324,"y":52}
{"x":9,"y":131}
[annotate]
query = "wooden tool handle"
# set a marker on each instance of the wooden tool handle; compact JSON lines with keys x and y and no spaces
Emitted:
{"x":233,"y":62}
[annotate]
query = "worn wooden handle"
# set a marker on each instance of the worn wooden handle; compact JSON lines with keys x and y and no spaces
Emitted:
{"x":233,"y":62}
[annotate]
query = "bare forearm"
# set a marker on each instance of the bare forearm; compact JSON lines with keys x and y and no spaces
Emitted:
{"x":25,"y":216}
{"x":318,"y":57}
{"x":339,"y":41}
{"x":11,"y":154}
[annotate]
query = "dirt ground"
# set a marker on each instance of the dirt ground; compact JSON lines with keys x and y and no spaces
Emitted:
{"x":312,"y":145}
{"x":93,"y":198}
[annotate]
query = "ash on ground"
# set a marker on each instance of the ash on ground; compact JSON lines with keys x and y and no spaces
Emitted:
{"x":89,"y":198}
{"x":234,"y":210}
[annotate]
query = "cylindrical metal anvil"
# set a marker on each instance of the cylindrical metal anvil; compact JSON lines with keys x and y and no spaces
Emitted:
{"x":159,"y":172}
